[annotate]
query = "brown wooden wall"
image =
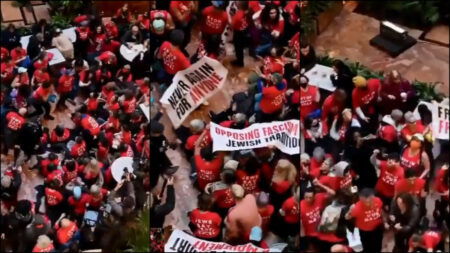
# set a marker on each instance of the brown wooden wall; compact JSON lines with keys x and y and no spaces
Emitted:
{"x":110,"y":7}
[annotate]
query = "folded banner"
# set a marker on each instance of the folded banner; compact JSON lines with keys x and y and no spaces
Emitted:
{"x":440,"y":121}
{"x":180,"y":241}
{"x":285,"y":135}
{"x":192,"y":87}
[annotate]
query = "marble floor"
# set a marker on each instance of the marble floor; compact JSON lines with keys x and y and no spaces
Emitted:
{"x":348,"y":37}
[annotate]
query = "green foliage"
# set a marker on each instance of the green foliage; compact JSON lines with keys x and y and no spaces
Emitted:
{"x":308,"y":14}
{"x":426,"y":91}
{"x":59,"y":20}
{"x":139,"y":233}
{"x":23,"y":31}
{"x":418,"y":14}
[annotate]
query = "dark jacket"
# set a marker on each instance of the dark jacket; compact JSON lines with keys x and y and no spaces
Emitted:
{"x":409,"y":220}
{"x":158,"y":213}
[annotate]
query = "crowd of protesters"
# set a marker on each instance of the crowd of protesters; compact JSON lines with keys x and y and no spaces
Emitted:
{"x":244,"y":195}
{"x":368,"y":166}
{"x":76,"y":204}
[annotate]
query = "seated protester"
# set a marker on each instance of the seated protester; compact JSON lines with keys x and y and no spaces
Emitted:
{"x":92,"y":173}
{"x":43,"y":60}
{"x":412,"y":126}
{"x":429,"y":240}
{"x":107,"y":58}
{"x":206,"y":163}
{"x":78,"y":202}
{"x":404,"y":217}
{"x":110,"y":45}
{"x":395,"y":93}
{"x":18,"y":55}
{"x":97,"y":195}
{"x":204,"y":223}
{"x":60,"y":135}
{"x":54,"y":200}
{"x":388,"y":135}
{"x":7,"y":70}
{"x":55,"y":174}
{"x":389,"y":173}
{"x":87,"y":123}
{"x":332,"y":105}
{"x":67,"y":233}
{"x":52,"y":158}
{"x":309,"y":98}
{"x":368,"y":215}
{"x":79,"y":148}
{"x":221,"y":190}
{"x":132,"y":36}
{"x":124,"y":74}
{"x":44,"y":244}
{"x":270,"y":23}
{"x":71,"y":170}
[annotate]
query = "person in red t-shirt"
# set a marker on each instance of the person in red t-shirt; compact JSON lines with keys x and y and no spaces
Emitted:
{"x":265,"y":209}
{"x":214,"y":20}
{"x":66,"y":231}
{"x":368,"y":215}
{"x":207,"y":164}
{"x":97,"y":196}
{"x":18,"y":54}
{"x":182,"y":13}
{"x":390,"y":172}
{"x":240,"y":23}
{"x":79,"y":202}
{"x":44,"y":244}
{"x":40,"y":101}
{"x":290,"y":211}
{"x":79,"y":149}
{"x":332,"y":106}
{"x":309,"y":98}
{"x":221,"y":190}
{"x":14,"y":123}
{"x":430,"y":240}
{"x":204,"y":223}
{"x":273,"y":97}
{"x":364,"y":99}
{"x":172,"y":57}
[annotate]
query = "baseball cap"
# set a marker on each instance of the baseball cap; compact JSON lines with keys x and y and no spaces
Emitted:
{"x":158,"y":24}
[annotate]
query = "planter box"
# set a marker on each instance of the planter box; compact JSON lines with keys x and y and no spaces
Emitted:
{"x":325,"y":18}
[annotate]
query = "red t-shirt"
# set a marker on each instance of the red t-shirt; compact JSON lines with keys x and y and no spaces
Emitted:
{"x":15,"y":121}
{"x":55,"y":138}
{"x":431,"y":239}
{"x":41,"y":93}
{"x":440,"y":184}
{"x":112,"y":46}
{"x":56,"y":174}
{"x":79,"y":205}
{"x":78,"y":150}
{"x":413,"y":162}
{"x":368,"y":218}
{"x":406,"y":131}
{"x":208,"y":224}
{"x":311,"y":213}
{"x":248,"y":182}
{"x":96,"y":201}
{"x":83,"y":32}
{"x":366,"y":98}
{"x":388,"y":178}
{"x":266,"y":213}
{"x":181,"y":6}
{"x":89,"y":123}
{"x":281,"y":187}
{"x":272,"y":99}
{"x":207,"y":171}
{"x":65,"y":234}
{"x":17,"y":54}
{"x":404,"y":185}
{"x":65,"y":84}
{"x":214,"y":20}
{"x":331,"y":108}
{"x":239,"y":21}
{"x":49,"y":248}
{"x":173,"y":59}
{"x":224,"y":198}
{"x":291,"y":210}
{"x":307,"y":100}
{"x":53,"y":197}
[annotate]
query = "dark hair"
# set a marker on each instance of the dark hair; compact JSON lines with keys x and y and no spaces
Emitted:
{"x":265,"y":14}
{"x":229,"y":176}
{"x":425,"y":114}
{"x":406,"y":198}
{"x":51,"y":167}
{"x":341,"y":67}
{"x":252,"y":166}
{"x":205,"y":201}
{"x":409,"y":173}
{"x":366,"y":192}
{"x":70,"y":165}
{"x":310,"y":190}
{"x":207,"y":153}
{"x":52,"y":156}
{"x":393,"y":156}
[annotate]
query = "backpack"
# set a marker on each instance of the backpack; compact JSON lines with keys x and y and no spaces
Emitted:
{"x":330,"y":218}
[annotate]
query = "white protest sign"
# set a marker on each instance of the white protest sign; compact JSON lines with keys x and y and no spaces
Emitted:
{"x":285,"y":135}
{"x":191,"y":87}
{"x":440,"y":121}
{"x":180,"y":241}
{"x":146,"y":110}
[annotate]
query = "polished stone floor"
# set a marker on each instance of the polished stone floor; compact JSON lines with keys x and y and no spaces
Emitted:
{"x":348,"y":37}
